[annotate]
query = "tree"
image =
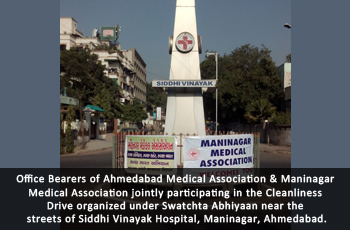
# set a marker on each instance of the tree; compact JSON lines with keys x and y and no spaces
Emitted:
{"x":80,"y":71}
{"x":61,"y":137}
{"x":246,"y":75}
{"x":289,"y":58}
{"x":155,"y":98}
{"x":208,"y":71}
{"x":281,"y":118}
{"x":134,"y":112}
{"x":105,"y":96}
{"x":258,"y":111}
{"x":69,"y":134}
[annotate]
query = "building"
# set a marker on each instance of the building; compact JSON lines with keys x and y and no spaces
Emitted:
{"x":140,"y":74}
{"x":125,"y":67}
{"x":70,"y":36}
{"x":285,"y":74}
{"x":121,"y":70}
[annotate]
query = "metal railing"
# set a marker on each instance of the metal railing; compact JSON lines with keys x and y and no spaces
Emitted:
{"x":119,"y":146}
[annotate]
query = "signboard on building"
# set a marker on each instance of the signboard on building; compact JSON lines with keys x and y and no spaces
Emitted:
{"x":108,"y":33}
{"x":212,"y":152}
{"x":150,"y":153}
{"x":184,"y":83}
{"x":159,"y":113}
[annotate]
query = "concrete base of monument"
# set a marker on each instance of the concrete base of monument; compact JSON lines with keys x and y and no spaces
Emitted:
{"x":185,"y":113}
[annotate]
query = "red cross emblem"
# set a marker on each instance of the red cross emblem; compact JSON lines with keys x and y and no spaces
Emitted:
{"x":185,"y":42}
{"x":193,"y":154}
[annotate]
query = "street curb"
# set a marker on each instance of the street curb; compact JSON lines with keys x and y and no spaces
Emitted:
{"x":281,"y":152}
{"x":86,"y":151}
{"x":93,"y":150}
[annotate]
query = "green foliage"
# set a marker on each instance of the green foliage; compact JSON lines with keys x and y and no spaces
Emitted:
{"x":281,"y":118}
{"x":110,"y":49}
{"x":105,"y":95}
{"x":69,"y":140}
{"x":246,"y":75}
{"x":134,"y":112}
{"x":259,"y":110}
{"x":61,"y":137}
{"x":83,"y":77}
{"x":289,"y":58}
{"x":80,"y":72}
{"x":155,"y":98}
{"x":70,"y":117}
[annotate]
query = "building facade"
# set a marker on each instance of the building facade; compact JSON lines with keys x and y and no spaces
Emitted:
{"x":70,"y":36}
{"x":121,"y":70}
{"x":126,"y":67}
{"x":285,"y":74}
{"x":140,"y":74}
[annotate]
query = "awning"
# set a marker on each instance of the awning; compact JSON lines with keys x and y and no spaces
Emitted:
{"x":93,"y":108}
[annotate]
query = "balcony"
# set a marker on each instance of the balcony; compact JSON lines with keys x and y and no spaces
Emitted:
{"x":126,"y":94}
{"x":112,"y":73}
{"x":112,"y":70}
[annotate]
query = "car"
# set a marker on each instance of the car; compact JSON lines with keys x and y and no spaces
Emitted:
{"x":129,"y":129}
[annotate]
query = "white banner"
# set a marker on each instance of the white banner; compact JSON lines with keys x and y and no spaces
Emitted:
{"x":150,"y":154}
{"x":184,"y":83}
{"x":227,"y":151}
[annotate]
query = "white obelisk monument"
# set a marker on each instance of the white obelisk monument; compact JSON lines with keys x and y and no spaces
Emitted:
{"x":185,"y":113}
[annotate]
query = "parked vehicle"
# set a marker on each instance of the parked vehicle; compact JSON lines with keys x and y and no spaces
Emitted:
{"x":129,"y":129}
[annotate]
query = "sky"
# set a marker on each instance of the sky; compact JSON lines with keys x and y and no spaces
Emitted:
{"x":223,"y":24}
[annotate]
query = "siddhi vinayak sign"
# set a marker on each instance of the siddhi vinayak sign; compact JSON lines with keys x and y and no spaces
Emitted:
{"x":184,"y":83}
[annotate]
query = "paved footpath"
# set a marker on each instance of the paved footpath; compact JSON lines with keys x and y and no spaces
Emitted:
{"x":275,"y":149}
{"x":97,"y":145}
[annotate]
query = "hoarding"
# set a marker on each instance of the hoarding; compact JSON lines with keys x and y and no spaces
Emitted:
{"x":150,"y":152}
{"x":108,"y":33}
{"x":228,"y":151}
{"x":184,"y":83}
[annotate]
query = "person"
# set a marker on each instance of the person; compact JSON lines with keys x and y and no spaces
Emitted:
{"x":207,"y":130}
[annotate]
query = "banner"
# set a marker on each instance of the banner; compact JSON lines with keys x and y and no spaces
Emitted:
{"x":150,"y":153}
{"x":227,"y":151}
{"x":108,"y":33}
{"x":184,"y":83}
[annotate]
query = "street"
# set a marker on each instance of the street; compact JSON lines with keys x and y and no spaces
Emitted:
{"x":98,"y":159}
